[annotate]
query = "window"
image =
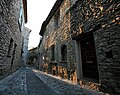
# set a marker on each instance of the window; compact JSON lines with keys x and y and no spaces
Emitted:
{"x":52,"y":53}
{"x":57,"y":18}
{"x":64,"y":52}
{"x":10,"y":47}
{"x":13,"y":57}
{"x":109,"y":54}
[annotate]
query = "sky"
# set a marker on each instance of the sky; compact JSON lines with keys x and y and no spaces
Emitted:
{"x":37,"y":11}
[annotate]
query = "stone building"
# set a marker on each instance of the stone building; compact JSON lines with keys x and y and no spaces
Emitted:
{"x":25,"y":34}
{"x":33,"y":57}
{"x":25,"y":40}
{"x":81,"y":42}
{"x":57,"y":48}
{"x":12,"y":15}
{"x":95,"y":26}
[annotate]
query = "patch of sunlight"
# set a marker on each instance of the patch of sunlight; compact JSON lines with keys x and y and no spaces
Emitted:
{"x":56,"y":77}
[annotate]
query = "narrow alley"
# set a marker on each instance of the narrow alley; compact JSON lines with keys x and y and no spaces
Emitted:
{"x":72,"y":50}
{"x":27,"y":81}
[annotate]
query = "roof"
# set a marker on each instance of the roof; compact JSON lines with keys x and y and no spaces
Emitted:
{"x":52,"y":12}
{"x":33,"y":49}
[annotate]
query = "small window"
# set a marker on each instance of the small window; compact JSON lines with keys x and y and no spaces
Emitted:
{"x":57,"y":18}
{"x":15,"y":45}
{"x":10,"y":47}
{"x":52,"y":53}
{"x":109,"y":54}
{"x":64,"y":52}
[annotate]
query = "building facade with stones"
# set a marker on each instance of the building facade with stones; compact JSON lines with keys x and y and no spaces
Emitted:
{"x":81,"y":42}
{"x":95,"y":26}
{"x":25,"y":40}
{"x":33,"y":57}
{"x":11,"y":20}
{"x":57,"y":48}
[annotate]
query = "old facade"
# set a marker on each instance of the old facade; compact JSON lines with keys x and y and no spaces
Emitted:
{"x":33,"y":57}
{"x":12,"y":14}
{"x":80,"y":42}
{"x":25,"y":40}
{"x":57,"y":47}
{"x":96,"y":28}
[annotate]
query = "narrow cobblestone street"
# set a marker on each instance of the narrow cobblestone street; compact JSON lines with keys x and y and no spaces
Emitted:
{"x":24,"y":82}
{"x":59,"y":47}
{"x":64,"y":87}
{"x":36,"y":86}
{"x":28,"y":81}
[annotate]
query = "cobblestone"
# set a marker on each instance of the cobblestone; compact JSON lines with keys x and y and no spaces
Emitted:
{"x":24,"y":82}
{"x":64,"y":87}
{"x":14,"y":84}
{"x":34,"y":82}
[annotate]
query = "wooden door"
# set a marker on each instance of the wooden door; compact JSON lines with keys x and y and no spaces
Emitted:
{"x":89,"y":63}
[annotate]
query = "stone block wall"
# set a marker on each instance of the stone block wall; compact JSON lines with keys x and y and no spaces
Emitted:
{"x":25,"y":39}
{"x":101,"y":18}
{"x":59,"y":36}
{"x":10,"y":36}
{"x":108,"y":57}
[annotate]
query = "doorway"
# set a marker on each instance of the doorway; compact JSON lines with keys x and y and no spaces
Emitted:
{"x":88,"y":56}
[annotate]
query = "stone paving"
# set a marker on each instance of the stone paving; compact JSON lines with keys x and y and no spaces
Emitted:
{"x":24,"y":82}
{"x":36,"y":86}
{"x":14,"y":84}
{"x":27,"y":81}
{"x":64,"y":87}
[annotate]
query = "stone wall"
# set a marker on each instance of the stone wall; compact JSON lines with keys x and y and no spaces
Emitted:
{"x":33,"y":57}
{"x":101,"y":18}
{"x":76,"y":18}
{"x":57,"y":37}
{"x":25,"y":39}
{"x":107,"y":47}
{"x":10,"y":36}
